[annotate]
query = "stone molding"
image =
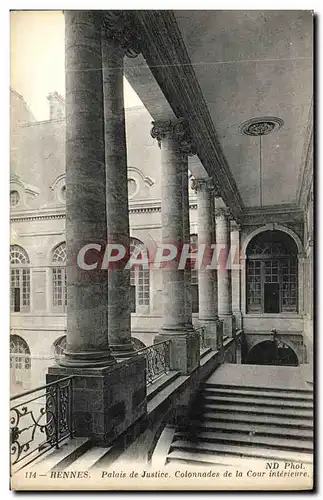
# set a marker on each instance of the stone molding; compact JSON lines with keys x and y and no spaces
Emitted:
{"x":178,"y":129}
{"x":164,"y":50}
{"x":23,"y":218}
{"x":141,"y":210}
{"x":285,"y":213}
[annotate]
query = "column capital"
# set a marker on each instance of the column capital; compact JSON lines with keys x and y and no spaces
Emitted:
{"x":177,"y":129}
{"x":222,"y":211}
{"x":235,"y":226}
{"x":206,"y":185}
{"x":117,"y":25}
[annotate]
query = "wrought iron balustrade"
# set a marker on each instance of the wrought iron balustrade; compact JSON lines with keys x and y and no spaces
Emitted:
{"x":157,"y":360}
{"x":202,"y":333}
{"x":39,"y":420}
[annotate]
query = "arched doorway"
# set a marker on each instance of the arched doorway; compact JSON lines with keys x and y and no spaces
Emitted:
{"x":271,"y":273}
{"x":270,"y":352}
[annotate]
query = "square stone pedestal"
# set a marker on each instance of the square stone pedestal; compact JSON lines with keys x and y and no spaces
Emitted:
{"x":238,"y":319}
{"x":213,"y":333}
{"x":184,"y":350}
{"x":228,"y":324}
{"x":105,"y":400}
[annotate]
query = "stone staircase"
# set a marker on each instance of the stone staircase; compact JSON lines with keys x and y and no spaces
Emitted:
{"x":233,"y":422}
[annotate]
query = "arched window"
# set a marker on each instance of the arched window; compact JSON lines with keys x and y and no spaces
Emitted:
{"x":19,"y":279}
{"x":194,"y":277}
{"x":272,"y":273}
{"x":19,"y":353}
{"x":59,"y":346}
{"x":139,"y":277}
{"x":59,"y":295}
{"x":137,"y":344}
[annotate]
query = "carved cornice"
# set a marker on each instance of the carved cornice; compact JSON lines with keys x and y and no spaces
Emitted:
{"x":166,"y":55}
{"x":132,"y":210}
{"x":177,"y":129}
{"x":263,"y":215}
{"x":119,"y":26}
{"x":32,"y":218}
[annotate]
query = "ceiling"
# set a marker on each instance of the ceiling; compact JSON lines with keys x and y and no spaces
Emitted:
{"x":252,"y":64}
{"x":248,"y":64}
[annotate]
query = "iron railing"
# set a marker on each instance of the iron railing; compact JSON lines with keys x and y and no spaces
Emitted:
{"x":40,"y":422}
{"x":202,"y":333}
{"x":157,"y":360}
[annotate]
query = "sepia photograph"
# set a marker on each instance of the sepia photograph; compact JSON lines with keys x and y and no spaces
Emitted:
{"x":161,"y":250}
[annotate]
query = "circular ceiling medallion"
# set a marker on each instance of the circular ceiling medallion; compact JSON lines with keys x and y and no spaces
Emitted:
{"x":261,"y":126}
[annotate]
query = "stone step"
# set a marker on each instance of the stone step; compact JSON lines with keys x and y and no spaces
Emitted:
{"x":63,"y":457}
{"x":257,"y":401}
{"x":260,"y":429}
{"x":89,"y":458}
{"x":287,"y":391}
{"x":204,"y":352}
{"x":202,"y":459}
{"x":248,"y":440}
{"x":263,"y":410}
{"x":242,"y":451}
{"x":282,"y":421}
{"x":235,"y":391}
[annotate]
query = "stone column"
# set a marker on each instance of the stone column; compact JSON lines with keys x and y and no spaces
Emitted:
{"x":171,"y":137}
{"x":235,"y":273}
{"x":207,"y":276}
{"x":86,"y":222}
{"x":114,"y":44}
{"x":224,"y":271}
{"x":107,"y":396}
{"x":186,"y":240}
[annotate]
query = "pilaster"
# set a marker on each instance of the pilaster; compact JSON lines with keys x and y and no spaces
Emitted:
{"x":235,"y":273}
{"x":222,"y":219}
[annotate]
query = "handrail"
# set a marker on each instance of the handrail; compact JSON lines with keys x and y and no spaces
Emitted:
{"x":152,"y":345}
{"x":201,"y":331}
{"x":42,"y":422}
{"x":157,"y":360}
{"x":26,"y":393}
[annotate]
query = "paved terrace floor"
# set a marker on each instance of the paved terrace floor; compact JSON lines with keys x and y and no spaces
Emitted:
{"x":266,"y":376}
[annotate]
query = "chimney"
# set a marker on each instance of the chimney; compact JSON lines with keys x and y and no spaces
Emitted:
{"x":56,"y":106}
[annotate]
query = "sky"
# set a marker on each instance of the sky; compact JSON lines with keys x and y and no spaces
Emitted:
{"x":37,"y":59}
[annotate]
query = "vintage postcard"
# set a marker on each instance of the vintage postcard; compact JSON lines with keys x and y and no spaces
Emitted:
{"x":161,"y":250}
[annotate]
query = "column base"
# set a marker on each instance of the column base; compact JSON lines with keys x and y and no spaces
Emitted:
{"x":105,"y":401}
{"x":184,"y":349}
{"x":213,"y":333}
{"x":86,"y":359}
{"x":228,"y":324}
{"x":122,"y":351}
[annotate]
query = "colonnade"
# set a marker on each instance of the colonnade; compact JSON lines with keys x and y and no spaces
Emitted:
{"x":98,"y":312}
{"x":110,"y":394}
